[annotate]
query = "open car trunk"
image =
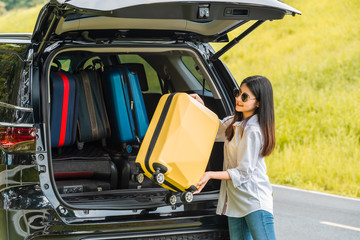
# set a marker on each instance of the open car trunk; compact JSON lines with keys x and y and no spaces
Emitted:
{"x":93,"y":166}
{"x":159,"y":46}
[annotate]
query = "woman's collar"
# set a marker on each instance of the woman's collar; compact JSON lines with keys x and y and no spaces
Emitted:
{"x":252,"y":119}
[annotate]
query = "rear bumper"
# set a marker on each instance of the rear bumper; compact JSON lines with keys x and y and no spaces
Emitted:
{"x":186,"y":233}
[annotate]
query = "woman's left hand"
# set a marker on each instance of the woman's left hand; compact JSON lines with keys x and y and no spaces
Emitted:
{"x":201,"y":184}
{"x":197,"y":98}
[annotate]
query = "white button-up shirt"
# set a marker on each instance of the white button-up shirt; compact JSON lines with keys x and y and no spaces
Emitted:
{"x":249,"y":189}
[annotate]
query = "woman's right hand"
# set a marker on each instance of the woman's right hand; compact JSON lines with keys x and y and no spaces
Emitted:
{"x":203,"y":181}
{"x":197,"y":98}
{"x":221,"y":175}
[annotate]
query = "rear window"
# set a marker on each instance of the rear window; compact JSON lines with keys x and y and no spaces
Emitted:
{"x":193,"y":68}
{"x":151,"y":75}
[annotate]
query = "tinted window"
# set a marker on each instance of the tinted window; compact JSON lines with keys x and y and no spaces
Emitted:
{"x":64,"y":64}
{"x":92,"y":61}
{"x":151,"y":75}
{"x":192,"y":66}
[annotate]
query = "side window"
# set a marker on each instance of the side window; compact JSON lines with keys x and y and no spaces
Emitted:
{"x":151,"y":75}
{"x":192,"y":67}
{"x":64,"y":64}
{"x":91,"y":63}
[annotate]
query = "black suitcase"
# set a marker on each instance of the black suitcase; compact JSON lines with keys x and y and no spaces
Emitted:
{"x":87,"y":168}
{"x":130,"y":176}
{"x":93,"y":122}
{"x":90,"y":169}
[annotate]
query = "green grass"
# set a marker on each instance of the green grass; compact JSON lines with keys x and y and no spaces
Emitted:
{"x":313,"y":62}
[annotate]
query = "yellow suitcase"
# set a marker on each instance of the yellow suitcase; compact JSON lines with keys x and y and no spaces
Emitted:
{"x":178,"y":143}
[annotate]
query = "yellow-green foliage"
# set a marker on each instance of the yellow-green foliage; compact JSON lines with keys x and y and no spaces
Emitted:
{"x":19,"y":20}
{"x":313,"y":62}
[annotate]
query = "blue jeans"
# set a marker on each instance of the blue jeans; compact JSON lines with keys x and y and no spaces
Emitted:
{"x":258,"y":225}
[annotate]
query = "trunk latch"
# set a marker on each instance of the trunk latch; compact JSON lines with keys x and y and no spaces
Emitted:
{"x":204,"y":11}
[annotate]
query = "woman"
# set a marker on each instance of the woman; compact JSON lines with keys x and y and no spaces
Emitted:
{"x":249,"y":135}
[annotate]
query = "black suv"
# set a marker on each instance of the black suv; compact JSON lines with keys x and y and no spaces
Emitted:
{"x":89,"y":188}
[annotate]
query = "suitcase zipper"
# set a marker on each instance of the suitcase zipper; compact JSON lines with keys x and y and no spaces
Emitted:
{"x":103,"y":115}
{"x":127,"y":101}
{"x":125,"y":72}
{"x":90,"y":104}
{"x":75,"y":115}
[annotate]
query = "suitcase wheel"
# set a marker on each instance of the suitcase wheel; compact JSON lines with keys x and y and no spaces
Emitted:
{"x":128,"y":148}
{"x":186,"y":197}
{"x":158,"y":177}
{"x":170,"y":199}
{"x":139,"y":178}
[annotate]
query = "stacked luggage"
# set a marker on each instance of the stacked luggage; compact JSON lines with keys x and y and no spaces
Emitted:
{"x":125,"y":103}
{"x":129,"y":122}
{"x":81,"y":98}
{"x":78,"y":106}
{"x":174,"y":148}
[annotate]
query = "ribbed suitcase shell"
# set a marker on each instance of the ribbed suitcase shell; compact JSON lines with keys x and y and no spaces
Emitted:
{"x":93,"y":120}
{"x":64,"y":109}
{"x":179,"y":139}
{"x":120,"y":87}
{"x":118,"y":105}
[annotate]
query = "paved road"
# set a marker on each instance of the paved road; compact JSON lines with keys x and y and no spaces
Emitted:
{"x":306,"y":215}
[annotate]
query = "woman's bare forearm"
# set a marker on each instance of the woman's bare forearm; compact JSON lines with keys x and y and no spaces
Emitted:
{"x":220,"y":175}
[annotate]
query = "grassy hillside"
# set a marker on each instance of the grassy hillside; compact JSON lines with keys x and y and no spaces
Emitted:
{"x":19,"y":20}
{"x":313,"y":62}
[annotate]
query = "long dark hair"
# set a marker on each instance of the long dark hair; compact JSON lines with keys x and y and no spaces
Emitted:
{"x":261,"y":88}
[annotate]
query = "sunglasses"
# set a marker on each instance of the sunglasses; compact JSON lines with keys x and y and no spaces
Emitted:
{"x":243,"y":96}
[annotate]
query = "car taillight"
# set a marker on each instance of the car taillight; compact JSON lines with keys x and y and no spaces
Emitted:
{"x":17,"y":138}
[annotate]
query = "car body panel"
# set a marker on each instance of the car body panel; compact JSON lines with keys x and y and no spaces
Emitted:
{"x":101,"y":5}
